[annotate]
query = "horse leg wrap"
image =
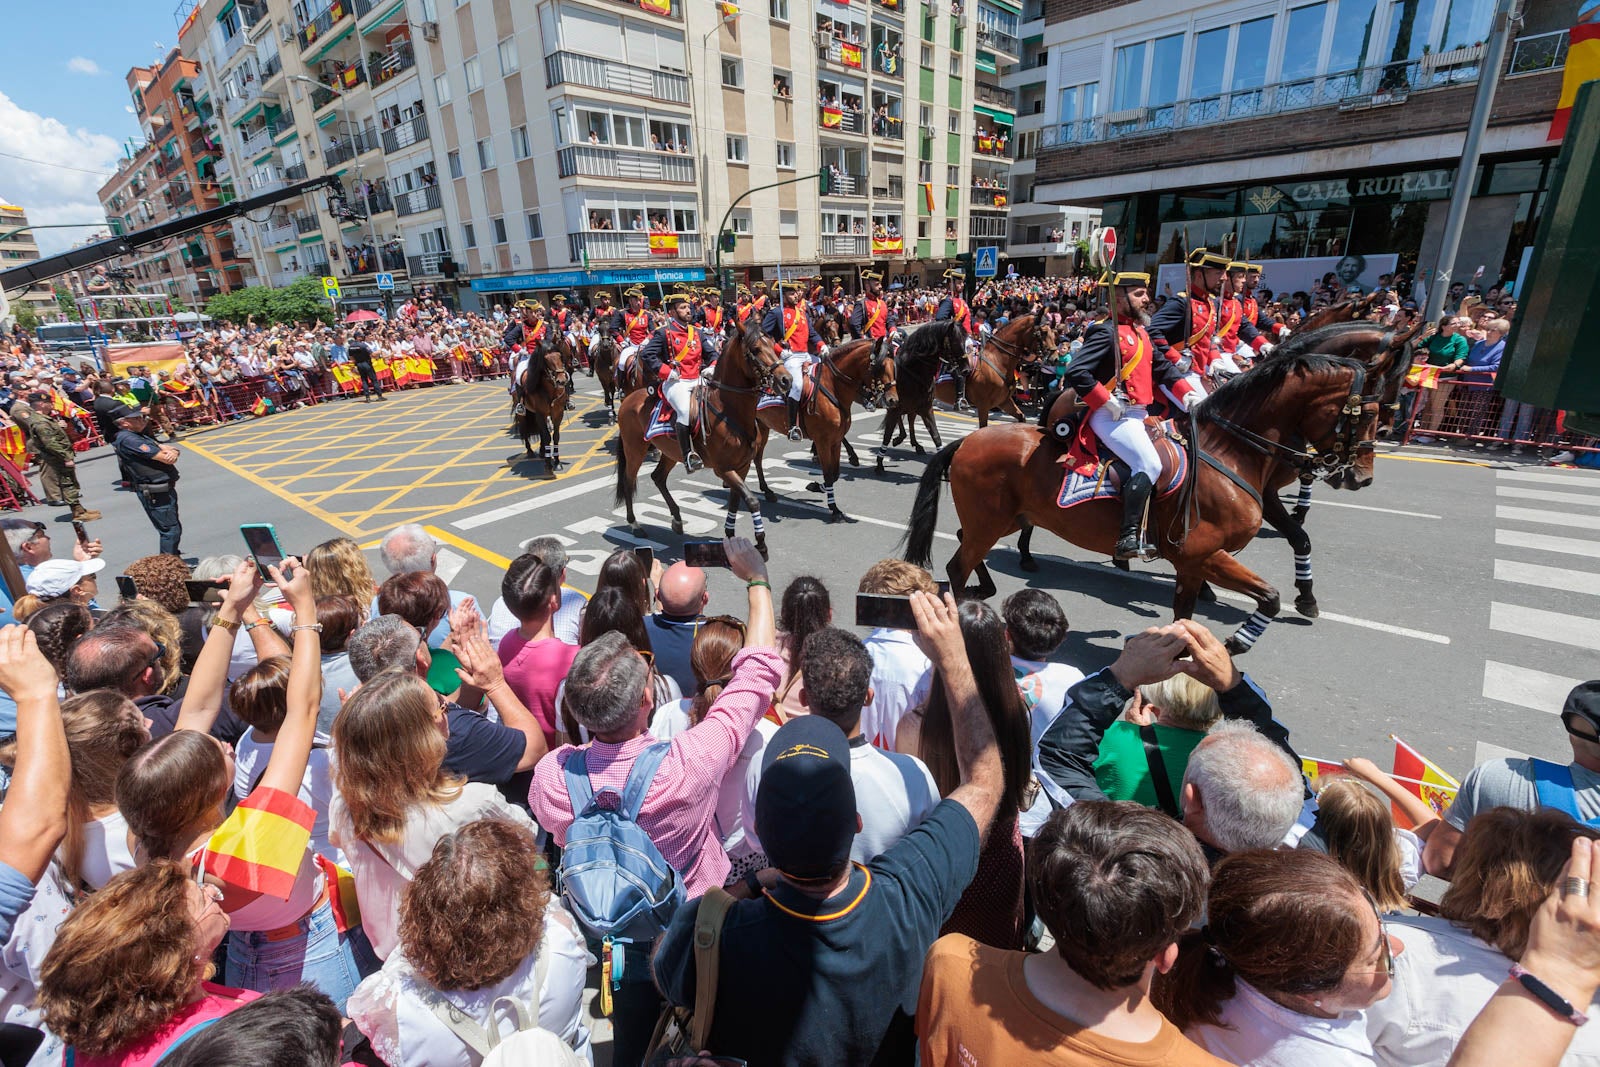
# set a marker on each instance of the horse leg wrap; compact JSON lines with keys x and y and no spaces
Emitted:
{"x":1253,"y":628}
{"x":730,"y":523}
{"x":1304,"y":499}
{"x":827,"y":494}
{"x":1302,"y":567}
{"x":758,"y":523}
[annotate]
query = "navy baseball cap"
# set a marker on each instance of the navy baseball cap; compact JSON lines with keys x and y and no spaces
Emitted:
{"x":1584,"y":700}
{"x":806,"y":803}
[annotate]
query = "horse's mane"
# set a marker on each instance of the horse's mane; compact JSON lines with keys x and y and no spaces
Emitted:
{"x":1243,"y":395}
{"x":1306,"y":341}
{"x":918,"y":360}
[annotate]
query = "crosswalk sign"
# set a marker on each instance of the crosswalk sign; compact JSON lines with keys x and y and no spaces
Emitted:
{"x":384,"y":281}
{"x":986,"y":261}
{"x":330,"y":287}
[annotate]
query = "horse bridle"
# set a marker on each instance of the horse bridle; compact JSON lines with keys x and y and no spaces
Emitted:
{"x":869,"y":392}
{"x":762,"y":374}
{"x":1037,"y":346}
{"x":1346,"y":447}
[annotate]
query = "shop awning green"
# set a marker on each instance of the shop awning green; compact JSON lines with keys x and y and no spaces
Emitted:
{"x":229,"y":6}
{"x":1004,"y":118}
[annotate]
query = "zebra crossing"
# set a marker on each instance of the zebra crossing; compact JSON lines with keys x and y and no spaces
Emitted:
{"x":1544,"y":614}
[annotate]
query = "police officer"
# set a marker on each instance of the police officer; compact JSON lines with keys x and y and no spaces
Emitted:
{"x":798,"y":343}
{"x":154,"y":472}
{"x":674,"y":355}
{"x":1184,"y":328}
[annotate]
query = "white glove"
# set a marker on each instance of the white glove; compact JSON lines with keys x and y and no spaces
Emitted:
{"x":1185,"y":363}
{"x":822,"y":353}
{"x":1115,"y":408}
{"x":1267,"y":349}
{"x":1192,"y":400}
{"x":1284,"y":334}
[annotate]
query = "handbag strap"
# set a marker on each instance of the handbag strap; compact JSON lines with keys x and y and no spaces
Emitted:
{"x":1158,"y":770}
{"x":714,"y":907}
{"x":457,"y":1021}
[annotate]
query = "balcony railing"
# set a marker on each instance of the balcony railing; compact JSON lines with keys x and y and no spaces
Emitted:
{"x":230,"y":48}
{"x":570,"y":68}
{"x":998,"y":97}
{"x":896,"y":7}
{"x":1390,"y":84}
{"x":844,"y":53}
{"x":888,"y":61}
{"x":630,"y":245}
{"x":995,"y":145}
{"x":378,"y":201}
{"x":600,"y":161}
{"x":408,"y":133}
{"x":834,"y":119}
{"x":304,"y":224}
{"x":258,"y":183}
{"x":393,"y":63}
{"x":249,"y":97}
{"x":277,"y":234}
{"x":888,"y":126}
{"x":250,"y":14}
{"x":1542,"y":51}
{"x":294,"y":172}
{"x":271,"y":68}
{"x":999,"y":41}
{"x":984,"y":197}
{"x":846,"y":244}
{"x":324,"y":21}
{"x":256,"y":142}
{"x":182,"y":194}
{"x":845,"y":183}
{"x":417,"y":200}
{"x":427,"y":263}
{"x":349,"y":147}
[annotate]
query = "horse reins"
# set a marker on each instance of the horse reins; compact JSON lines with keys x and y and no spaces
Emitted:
{"x":1346,"y":433}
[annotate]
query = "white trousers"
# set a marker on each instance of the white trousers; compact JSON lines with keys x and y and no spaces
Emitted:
{"x":624,"y":358}
{"x":678,"y":393}
{"x":1195,"y":382}
{"x":519,"y":370}
{"x":1128,"y":438}
{"x":796,"y":363}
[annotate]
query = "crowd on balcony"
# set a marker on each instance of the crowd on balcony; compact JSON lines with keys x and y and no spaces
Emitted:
{"x":988,"y":183}
{"x":843,"y":32}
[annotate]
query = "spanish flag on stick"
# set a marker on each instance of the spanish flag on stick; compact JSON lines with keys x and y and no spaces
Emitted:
{"x":263,"y":843}
{"x":1583,"y":64}
{"x":1422,"y":776}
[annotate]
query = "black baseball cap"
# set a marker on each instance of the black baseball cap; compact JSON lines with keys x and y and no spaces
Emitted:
{"x":125,"y":412}
{"x":806,"y":803}
{"x":1584,"y":701}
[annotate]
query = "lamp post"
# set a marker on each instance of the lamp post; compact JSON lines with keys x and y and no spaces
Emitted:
{"x":705,"y":160}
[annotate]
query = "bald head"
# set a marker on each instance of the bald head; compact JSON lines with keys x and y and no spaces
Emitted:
{"x":683,"y":590}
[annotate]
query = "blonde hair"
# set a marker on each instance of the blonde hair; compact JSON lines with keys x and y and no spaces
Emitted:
{"x":1359,"y":830}
{"x":896,"y":577}
{"x":1184,"y":701}
{"x":338,"y":568}
{"x":390,"y":754}
{"x":1499,"y":326}
{"x":162,"y":626}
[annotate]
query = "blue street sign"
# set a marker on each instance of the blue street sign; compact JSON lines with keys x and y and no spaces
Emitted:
{"x":986,"y":262}
{"x":385,"y":281}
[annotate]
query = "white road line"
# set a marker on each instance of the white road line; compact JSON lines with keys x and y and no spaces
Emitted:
{"x":1568,"y":478}
{"x":1364,"y":507}
{"x":1555,"y":626}
{"x":1550,"y":496}
{"x":1563,"y":579}
{"x":1548,"y":518}
{"x":1525,"y":687}
{"x":1384,"y":627}
{"x":554,"y":496}
{"x":1572,"y":546}
{"x":448,"y":564}
{"x":869,"y":519}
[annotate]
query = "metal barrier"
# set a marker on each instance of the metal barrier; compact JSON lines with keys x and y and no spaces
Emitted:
{"x":1472,"y":414}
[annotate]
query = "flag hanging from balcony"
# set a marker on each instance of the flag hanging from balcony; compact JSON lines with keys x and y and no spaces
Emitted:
{"x":850,"y":55}
{"x":728,"y":11}
{"x":1583,"y":64}
{"x":927,"y":195}
{"x":656,"y":7}
{"x":663,"y":244}
{"x":885,"y":246}
{"x":999,"y":199}
{"x":831,"y":116}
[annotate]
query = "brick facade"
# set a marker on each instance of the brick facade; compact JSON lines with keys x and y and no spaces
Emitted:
{"x":1066,"y":10}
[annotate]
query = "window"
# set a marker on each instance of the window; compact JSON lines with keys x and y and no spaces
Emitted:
{"x":1302,"y":41}
{"x":922,"y":229}
{"x":778,"y":10}
{"x":739,"y":222}
{"x":485,"y":153}
{"x":925,"y":116}
{"x":441,"y":89}
{"x":1350,"y":32}
{"x":1127,"y":81}
{"x":454,"y":160}
{"x":474,"y":75}
{"x":785,"y":154}
{"x":927,"y":56}
{"x":470,"y":234}
{"x":430,"y":11}
{"x":519,"y":143}
{"x":955,"y":121}
{"x":508,"y":55}
{"x":1210,"y":54}
{"x":955,"y":64}
{"x":1249,"y":62}
{"x":788,"y":224}
{"x":925,"y":171}
{"x":499,"y":230}
{"x":952,"y":175}
{"x":732,"y":73}
{"x":738,"y":150}
{"x":535,"y":226}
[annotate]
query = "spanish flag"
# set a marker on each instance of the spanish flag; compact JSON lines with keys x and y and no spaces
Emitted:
{"x":1583,"y":64}
{"x":261,"y":407}
{"x":663,"y":244}
{"x":999,"y":199}
{"x":850,"y":55}
{"x":831,"y":116}
{"x":656,"y":7}
{"x":1421,"y":776}
{"x":263,"y":843}
{"x":927,"y":195}
{"x":728,"y":11}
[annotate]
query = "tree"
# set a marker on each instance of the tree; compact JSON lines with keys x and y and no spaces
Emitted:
{"x":26,"y":318}
{"x":301,"y":302}
{"x":68,"y":306}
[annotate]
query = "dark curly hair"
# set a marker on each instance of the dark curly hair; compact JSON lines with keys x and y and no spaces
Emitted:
{"x":161,"y":578}
{"x":57,"y":628}
{"x":475,"y":910}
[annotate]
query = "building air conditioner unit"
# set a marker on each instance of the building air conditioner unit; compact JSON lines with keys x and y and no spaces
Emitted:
{"x":430,"y":31}
{"x":961,"y":22}
{"x":930,"y":130}
{"x":286,"y":33}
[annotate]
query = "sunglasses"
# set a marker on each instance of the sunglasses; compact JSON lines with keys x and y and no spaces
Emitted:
{"x":1579,"y":725}
{"x":161,"y":652}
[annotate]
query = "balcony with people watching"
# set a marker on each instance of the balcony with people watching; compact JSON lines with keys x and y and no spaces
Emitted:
{"x":840,"y":107}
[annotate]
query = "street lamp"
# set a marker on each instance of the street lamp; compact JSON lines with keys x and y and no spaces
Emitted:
{"x":351,"y":127}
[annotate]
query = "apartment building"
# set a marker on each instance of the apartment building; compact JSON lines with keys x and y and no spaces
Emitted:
{"x":178,"y":169}
{"x":1285,"y":129}
{"x":18,"y":246}
{"x":578,"y":143}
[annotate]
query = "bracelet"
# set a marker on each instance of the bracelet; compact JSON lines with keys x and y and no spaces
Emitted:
{"x":1557,"y":1003}
{"x":230,"y":625}
{"x":762,"y":582}
{"x":317,"y":626}
{"x":259,"y":622}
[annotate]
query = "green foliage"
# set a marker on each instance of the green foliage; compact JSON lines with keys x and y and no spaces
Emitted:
{"x":26,"y":319}
{"x":301,"y":302}
{"x":65,"y":303}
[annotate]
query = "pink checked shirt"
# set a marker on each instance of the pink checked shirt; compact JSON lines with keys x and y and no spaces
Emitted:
{"x":679,"y":811}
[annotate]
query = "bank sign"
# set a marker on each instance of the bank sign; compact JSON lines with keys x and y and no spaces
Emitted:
{"x":1334,"y":192}
{"x":569,"y":279}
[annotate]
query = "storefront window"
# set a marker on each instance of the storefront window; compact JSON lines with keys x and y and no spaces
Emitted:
{"x":1302,"y":43}
{"x":1523,"y":176}
{"x":1352,"y":33}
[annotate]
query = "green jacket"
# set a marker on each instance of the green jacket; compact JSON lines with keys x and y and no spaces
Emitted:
{"x":46,"y":437}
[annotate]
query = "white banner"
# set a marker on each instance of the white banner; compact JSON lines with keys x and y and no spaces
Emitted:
{"x":1285,"y":276}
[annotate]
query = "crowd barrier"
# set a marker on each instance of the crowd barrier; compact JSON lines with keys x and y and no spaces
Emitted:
{"x":1475,"y":415}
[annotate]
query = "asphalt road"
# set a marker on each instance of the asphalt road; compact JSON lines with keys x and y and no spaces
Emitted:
{"x":1460,"y":596}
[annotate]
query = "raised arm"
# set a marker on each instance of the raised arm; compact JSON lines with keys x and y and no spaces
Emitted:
{"x":1424,"y":820}
{"x":34,"y":818}
{"x":287,"y":766}
{"x":746,"y":563}
{"x":977,"y":753}
{"x":480,"y":668}
{"x":203,"y":699}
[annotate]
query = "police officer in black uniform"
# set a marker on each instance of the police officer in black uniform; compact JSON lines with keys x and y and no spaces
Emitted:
{"x":153,"y":469}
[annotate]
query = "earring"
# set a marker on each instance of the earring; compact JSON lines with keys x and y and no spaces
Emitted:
{"x":1316,"y":1003}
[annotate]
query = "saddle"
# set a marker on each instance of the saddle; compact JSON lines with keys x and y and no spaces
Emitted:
{"x":663,"y":416}
{"x":1100,"y":475}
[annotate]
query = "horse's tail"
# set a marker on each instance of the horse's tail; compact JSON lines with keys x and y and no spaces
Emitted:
{"x":626,"y":483}
{"x":925,"y":512}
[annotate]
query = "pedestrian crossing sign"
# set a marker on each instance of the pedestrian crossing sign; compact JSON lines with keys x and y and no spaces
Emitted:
{"x":330,"y":287}
{"x":986,"y":261}
{"x":384,"y":281}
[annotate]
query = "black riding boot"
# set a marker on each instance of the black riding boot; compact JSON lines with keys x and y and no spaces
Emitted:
{"x":691,"y":458}
{"x":793,"y":407}
{"x":1135,"y":494}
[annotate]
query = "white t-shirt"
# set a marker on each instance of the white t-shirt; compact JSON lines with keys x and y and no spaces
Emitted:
{"x":383,"y":871}
{"x":1258,"y":1032}
{"x":391,"y":1007}
{"x":568,"y":617}
{"x":901,"y":675}
{"x":22,"y":957}
{"x":250,"y":758}
{"x":105,"y":849}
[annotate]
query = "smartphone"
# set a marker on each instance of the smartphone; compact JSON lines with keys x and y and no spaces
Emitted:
{"x":705,"y":553}
{"x":126,"y":589}
{"x":262,"y":541}
{"x":646,"y":556}
{"x":82,"y":531}
{"x":200,"y":589}
{"x":893,"y":612}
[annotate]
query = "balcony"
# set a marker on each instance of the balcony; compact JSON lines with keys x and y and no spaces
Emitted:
{"x":294,"y":172}
{"x":378,"y":201}
{"x":282,"y":279}
{"x":347,"y":148}
{"x":304,"y":224}
{"x":630,"y":245}
{"x":846,"y":246}
{"x":835,"y":119}
{"x":995,"y":96}
{"x":989,"y":198}
{"x":249,"y":97}
{"x":346,"y":80}
{"x":374,"y":260}
{"x":393,"y":63}
{"x":426,"y":264}
{"x":600,"y":161}
{"x":278,"y":234}
{"x":999,"y":42}
{"x":894,"y":7}
{"x":271,"y":68}
{"x":250,"y":14}
{"x":408,"y":133}
{"x":230,"y":48}
{"x":844,"y":183}
{"x":417,"y":200}
{"x":257,"y":142}
{"x":570,"y":68}
{"x":1540,"y":52}
{"x":995,"y":145}
{"x":182,"y":194}
{"x":843,"y":53}
{"x":888,"y":60}
{"x":326,"y":20}
{"x":888,"y":126}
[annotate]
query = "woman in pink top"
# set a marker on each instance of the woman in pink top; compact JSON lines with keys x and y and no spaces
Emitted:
{"x":535,"y":659}
{"x":126,"y":979}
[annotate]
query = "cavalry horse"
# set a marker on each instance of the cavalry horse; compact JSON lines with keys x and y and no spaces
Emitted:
{"x":603,"y":367}
{"x":926,"y":350}
{"x":1020,"y":344}
{"x":1241,"y":442}
{"x":727,"y":429}
{"x":855,"y":370}
{"x":542,"y":408}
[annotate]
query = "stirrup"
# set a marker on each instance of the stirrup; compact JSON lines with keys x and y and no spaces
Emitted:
{"x":519,"y":410}
{"x":795,"y":434}
{"x":1133,"y":547}
{"x":692,"y":461}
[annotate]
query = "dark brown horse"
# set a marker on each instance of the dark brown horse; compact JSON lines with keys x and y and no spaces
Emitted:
{"x":1248,"y":432}
{"x":728,"y":430}
{"x":1020,"y":344}
{"x":856,"y":370}
{"x":541,"y":408}
{"x":926,"y":350}
{"x":603,"y":365}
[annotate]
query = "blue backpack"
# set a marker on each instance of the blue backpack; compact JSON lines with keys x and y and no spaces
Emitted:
{"x":613,"y":877}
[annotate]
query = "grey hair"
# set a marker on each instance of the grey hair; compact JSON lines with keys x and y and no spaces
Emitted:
{"x":606,"y":684}
{"x":386,"y":643}
{"x":213,"y":567}
{"x":552,"y":551}
{"x":19,"y":532}
{"x":408,"y":548}
{"x":1251,"y":788}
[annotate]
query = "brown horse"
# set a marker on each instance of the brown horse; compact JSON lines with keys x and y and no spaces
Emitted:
{"x":1019,"y":345}
{"x":542,"y":408}
{"x":856,"y":370}
{"x":925,"y":351}
{"x":1246,"y":434}
{"x":728,"y":430}
{"x":603,"y":367}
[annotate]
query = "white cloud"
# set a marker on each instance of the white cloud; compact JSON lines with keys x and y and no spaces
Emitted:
{"x":83,"y":65}
{"x":53,"y":194}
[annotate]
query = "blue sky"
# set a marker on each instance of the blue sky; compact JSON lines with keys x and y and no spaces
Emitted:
{"x":64,"y":101}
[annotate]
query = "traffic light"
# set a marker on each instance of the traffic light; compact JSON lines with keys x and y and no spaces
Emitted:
{"x":824,"y":181}
{"x":730,"y":240}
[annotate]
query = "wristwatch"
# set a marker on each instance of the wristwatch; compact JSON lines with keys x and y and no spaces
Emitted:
{"x":753,"y":883}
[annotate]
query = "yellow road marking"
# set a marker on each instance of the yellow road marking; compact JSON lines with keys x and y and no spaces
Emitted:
{"x":283,"y":494}
{"x":1433,"y":459}
{"x":493,"y":558}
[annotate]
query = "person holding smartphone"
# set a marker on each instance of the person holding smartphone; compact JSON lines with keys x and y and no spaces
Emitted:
{"x":153,"y":468}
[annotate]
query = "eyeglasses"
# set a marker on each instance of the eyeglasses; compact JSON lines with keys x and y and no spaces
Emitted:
{"x":1386,"y":947}
{"x":161,"y":653}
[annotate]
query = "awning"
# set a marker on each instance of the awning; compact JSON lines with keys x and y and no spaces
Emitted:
{"x":1004,"y":118}
{"x":292,"y":135}
{"x":985,"y":62}
{"x":330,"y":42}
{"x":229,"y":6}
